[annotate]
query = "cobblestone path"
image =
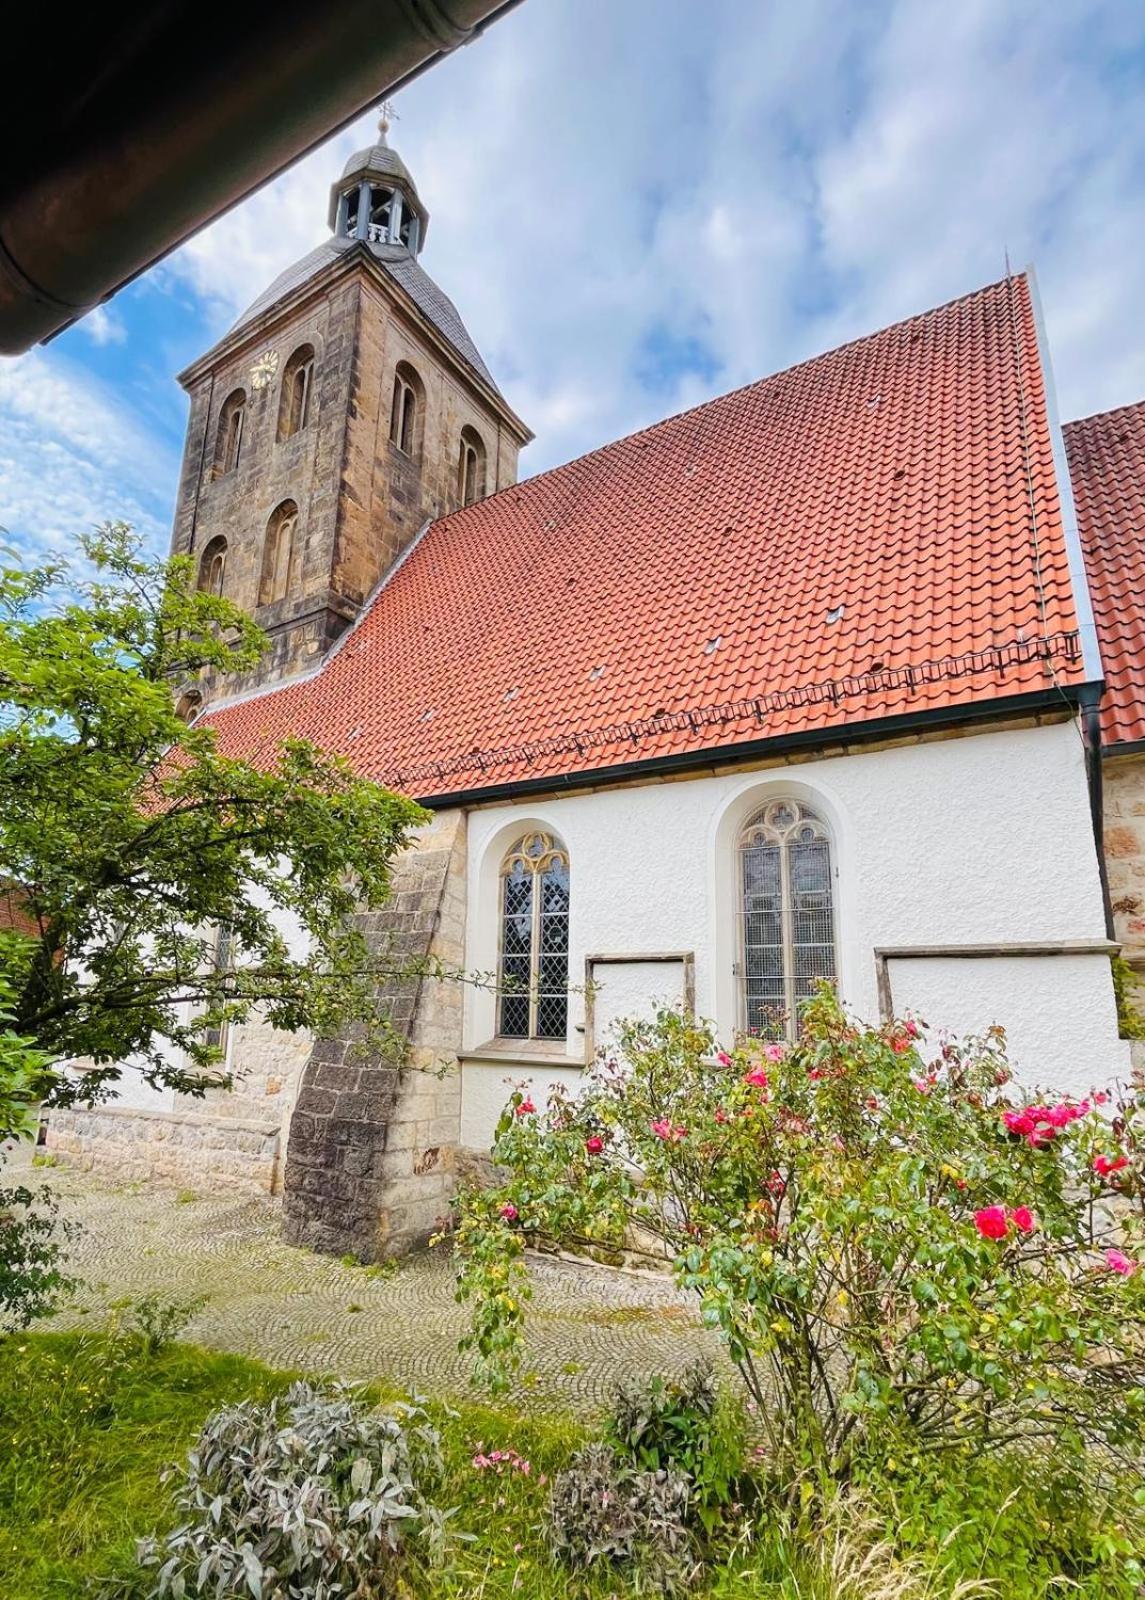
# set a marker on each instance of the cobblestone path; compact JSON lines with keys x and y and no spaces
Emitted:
{"x":587,"y":1326}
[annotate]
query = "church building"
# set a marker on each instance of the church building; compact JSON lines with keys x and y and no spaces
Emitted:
{"x":830,"y":677}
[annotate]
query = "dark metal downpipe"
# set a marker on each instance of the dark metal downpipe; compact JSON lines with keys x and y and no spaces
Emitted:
{"x":1089,"y":703}
{"x":191,"y":108}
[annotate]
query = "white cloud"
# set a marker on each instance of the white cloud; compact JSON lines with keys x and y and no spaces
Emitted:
{"x":739,"y":186}
{"x":71,"y":456}
{"x":102,"y":327}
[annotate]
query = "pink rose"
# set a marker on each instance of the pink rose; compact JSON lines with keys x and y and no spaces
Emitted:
{"x":723,"y":1058}
{"x":594,"y":1145}
{"x":758,"y":1077}
{"x":773,"y":1052}
{"x":991,"y":1222}
{"x":1118,"y":1261}
{"x":1020,"y":1123}
{"x":1023,"y":1219}
{"x":525,"y":1107}
{"x":669,"y":1132}
{"x":1105,"y":1166}
{"x":509,"y":1211}
{"x":911,"y":1028}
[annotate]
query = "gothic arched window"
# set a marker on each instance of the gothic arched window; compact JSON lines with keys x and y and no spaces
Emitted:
{"x":533,"y":969}
{"x":277,"y":553}
{"x":212,"y":566}
{"x":188,"y":705}
{"x":787,"y":918}
{"x":406,"y":411}
{"x":229,"y":441}
{"x":294,"y":400}
{"x":470,"y":468}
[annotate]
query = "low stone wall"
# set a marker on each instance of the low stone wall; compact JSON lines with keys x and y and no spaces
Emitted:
{"x":181,"y":1148}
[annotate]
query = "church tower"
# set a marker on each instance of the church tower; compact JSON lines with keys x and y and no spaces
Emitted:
{"x":346,"y":409}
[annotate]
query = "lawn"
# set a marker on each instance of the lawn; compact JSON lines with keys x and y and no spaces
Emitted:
{"x":89,"y":1422}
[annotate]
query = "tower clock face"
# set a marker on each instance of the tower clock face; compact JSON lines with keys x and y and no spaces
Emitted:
{"x":264,"y":369}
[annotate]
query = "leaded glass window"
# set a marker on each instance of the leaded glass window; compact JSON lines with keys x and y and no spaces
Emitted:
{"x":533,"y":971}
{"x":787,"y":916}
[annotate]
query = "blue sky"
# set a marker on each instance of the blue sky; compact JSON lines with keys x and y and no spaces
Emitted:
{"x":637,"y":204}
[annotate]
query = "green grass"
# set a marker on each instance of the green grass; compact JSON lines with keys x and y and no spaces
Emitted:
{"x":88,"y":1422}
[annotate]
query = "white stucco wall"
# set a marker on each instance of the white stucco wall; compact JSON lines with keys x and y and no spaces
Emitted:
{"x":973,"y":840}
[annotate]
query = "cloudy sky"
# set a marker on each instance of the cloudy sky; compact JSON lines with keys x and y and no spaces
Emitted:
{"x":637,"y":204}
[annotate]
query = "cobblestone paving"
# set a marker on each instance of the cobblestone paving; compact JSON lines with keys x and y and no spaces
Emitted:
{"x":587,"y":1326}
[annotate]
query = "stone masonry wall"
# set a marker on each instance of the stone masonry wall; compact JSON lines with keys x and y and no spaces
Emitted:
{"x":370,"y":1158}
{"x":1124,"y":783}
{"x":187,"y":1149}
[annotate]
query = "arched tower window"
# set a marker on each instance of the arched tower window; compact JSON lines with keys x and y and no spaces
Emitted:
{"x":294,"y":399}
{"x":787,"y":918}
{"x":533,"y":967}
{"x":212,"y":566}
{"x":229,"y":442}
{"x":470,"y":468}
{"x":407,"y":410}
{"x":188,"y":705}
{"x":277,"y":553}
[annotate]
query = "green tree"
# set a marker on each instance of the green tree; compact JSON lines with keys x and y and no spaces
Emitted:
{"x":132,"y":839}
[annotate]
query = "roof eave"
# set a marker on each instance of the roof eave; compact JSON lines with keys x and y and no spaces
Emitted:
{"x":1037,"y":702}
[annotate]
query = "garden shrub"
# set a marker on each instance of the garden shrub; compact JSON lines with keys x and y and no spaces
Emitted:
{"x":681,"y":1425}
{"x":33,"y":1243}
{"x":605,"y":1510}
{"x":906,"y":1257}
{"x":308,"y":1495}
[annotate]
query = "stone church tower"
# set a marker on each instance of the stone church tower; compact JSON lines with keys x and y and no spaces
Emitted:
{"x":346,"y":409}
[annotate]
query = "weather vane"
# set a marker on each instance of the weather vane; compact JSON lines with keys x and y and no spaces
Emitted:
{"x":388,"y":115}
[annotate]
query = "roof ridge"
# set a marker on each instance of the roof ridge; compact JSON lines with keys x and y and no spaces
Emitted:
{"x":1111,"y":411}
{"x":767,"y":377}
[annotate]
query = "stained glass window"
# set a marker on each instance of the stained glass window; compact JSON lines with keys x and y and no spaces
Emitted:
{"x":787,"y":919}
{"x":532,"y":978}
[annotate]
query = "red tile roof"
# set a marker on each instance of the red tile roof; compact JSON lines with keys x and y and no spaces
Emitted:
{"x":846,"y":541}
{"x":1107,"y":468}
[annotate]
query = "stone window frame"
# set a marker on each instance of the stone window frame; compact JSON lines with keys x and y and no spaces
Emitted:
{"x":407,"y":411}
{"x":535,"y":854}
{"x":278,"y":553}
{"x":472,"y":461}
{"x":230,"y":432}
{"x":213,"y":566}
{"x":296,"y":392}
{"x":783,"y":947}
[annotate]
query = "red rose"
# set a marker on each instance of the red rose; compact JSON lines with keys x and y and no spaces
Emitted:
{"x":1023,"y":1219}
{"x":991,"y":1222}
{"x":594,"y":1145}
{"x":509,"y":1211}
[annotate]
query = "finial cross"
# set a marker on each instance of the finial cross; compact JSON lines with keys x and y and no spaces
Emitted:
{"x":388,"y":115}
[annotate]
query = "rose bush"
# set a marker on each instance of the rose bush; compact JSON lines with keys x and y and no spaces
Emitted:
{"x":901,"y":1252}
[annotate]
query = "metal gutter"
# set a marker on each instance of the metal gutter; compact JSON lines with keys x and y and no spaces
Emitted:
{"x":192,"y":115}
{"x":1038,"y":702}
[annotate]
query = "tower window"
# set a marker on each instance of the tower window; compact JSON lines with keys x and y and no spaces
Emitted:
{"x":352,"y":211}
{"x":470,"y":468}
{"x":385,"y":207}
{"x":188,"y":705}
{"x":229,"y":443}
{"x":277,"y":554}
{"x":294,"y":401}
{"x":787,"y":923}
{"x":533,"y":971}
{"x":212,"y":566}
{"x":406,"y":411}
